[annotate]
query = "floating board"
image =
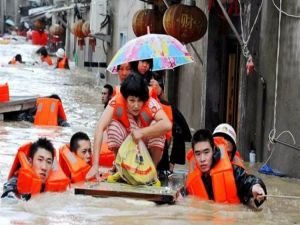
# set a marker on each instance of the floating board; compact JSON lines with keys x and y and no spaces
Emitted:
{"x":104,"y":189}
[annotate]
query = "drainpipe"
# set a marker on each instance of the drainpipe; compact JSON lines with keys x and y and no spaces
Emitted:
{"x":263,"y":109}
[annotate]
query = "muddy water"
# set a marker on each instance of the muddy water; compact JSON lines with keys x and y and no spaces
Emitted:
{"x":81,"y":99}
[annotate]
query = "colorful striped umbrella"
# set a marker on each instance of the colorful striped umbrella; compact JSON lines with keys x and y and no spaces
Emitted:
{"x":166,"y":51}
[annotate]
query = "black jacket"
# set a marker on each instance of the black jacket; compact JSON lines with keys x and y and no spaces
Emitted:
{"x":244,"y":182}
{"x":10,"y":190}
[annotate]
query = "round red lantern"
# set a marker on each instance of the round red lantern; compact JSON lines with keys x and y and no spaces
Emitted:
{"x":86,"y":28}
{"x":56,"y":30}
{"x":147,"y":17}
{"x":184,"y":22}
{"x":77,"y":29}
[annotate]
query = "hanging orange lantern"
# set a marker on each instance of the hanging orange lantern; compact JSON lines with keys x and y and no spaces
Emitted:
{"x":56,"y":30}
{"x":86,"y":28}
{"x":77,"y":31}
{"x":147,"y":17}
{"x":184,"y":22}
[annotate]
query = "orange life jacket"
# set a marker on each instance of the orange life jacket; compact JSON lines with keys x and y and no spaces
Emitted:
{"x":168,"y":110}
{"x":62,"y":63}
{"x":4,"y":92}
{"x":73,"y":166}
{"x":120,"y":112}
{"x":221,"y":142}
{"x":47,"y":59}
{"x":48,"y":111}
{"x":152,"y":92}
{"x":29,"y":182}
{"x":106,"y":156}
{"x":223,"y":181}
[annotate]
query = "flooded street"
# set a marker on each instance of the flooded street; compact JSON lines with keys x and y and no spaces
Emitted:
{"x":82,"y":104}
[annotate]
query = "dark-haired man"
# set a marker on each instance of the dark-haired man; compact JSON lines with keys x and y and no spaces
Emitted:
{"x":80,"y":144}
{"x":212,"y":176}
{"x":31,"y":170}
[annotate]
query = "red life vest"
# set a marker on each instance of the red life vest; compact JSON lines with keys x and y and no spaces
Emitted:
{"x":152,"y":92}
{"x":221,"y":142}
{"x":48,"y":111}
{"x":120,"y":112}
{"x":4,"y":92}
{"x":29,"y":182}
{"x":168,"y":110}
{"x":73,"y":166}
{"x":62,"y":63}
{"x":47,"y":59}
{"x":106,"y":156}
{"x":223,"y":181}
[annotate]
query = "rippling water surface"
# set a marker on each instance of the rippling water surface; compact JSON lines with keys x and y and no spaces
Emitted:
{"x":81,"y":100}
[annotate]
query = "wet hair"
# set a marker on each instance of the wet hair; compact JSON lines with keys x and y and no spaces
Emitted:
{"x":55,"y":96}
{"x":119,"y":66}
{"x":158,"y":77}
{"x":109,"y":88}
{"x":201,"y":136}
{"x":76,"y":138}
{"x":135,"y":85}
{"x":41,"y":143}
{"x":43,"y":51}
{"x":18,"y":58}
{"x":134,"y":64}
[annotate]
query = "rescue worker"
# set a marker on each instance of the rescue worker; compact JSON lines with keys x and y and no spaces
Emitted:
{"x":215,"y":178}
{"x":225,"y":134}
{"x":132,"y":112}
{"x":45,"y":58}
{"x":32,"y":172}
{"x":62,"y":60}
{"x":106,"y":94}
{"x":76,"y":158}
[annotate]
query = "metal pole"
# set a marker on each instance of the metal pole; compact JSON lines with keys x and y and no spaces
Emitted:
{"x":1,"y":17}
{"x":287,"y":144}
{"x":230,"y":23}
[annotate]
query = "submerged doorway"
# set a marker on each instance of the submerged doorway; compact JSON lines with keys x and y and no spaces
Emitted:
{"x":223,"y":68}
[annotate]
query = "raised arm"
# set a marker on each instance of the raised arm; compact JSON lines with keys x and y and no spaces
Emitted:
{"x":102,"y":124}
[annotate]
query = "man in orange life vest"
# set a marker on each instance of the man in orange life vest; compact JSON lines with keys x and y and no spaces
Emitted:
{"x":76,"y":158}
{"x":131,"y":112}
{"x":45,"y":58}
{"x":215,"y":178}
{"x":62,"y":60}
{"x":41,"y":155}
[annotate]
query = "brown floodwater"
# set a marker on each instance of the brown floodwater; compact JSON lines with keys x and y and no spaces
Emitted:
{"x":80,"y":94}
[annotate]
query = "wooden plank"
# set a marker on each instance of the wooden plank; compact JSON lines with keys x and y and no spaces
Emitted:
{"x":104,"y":189}
{"x":18,"y":103}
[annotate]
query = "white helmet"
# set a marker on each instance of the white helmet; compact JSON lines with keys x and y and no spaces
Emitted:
{"x":227,"y":130}
{"x":60,"y":53}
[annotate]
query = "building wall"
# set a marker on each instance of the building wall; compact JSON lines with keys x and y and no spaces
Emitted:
{"x":122,"y":13}
{"x":190,"y":83}
{"x":283,"y":158}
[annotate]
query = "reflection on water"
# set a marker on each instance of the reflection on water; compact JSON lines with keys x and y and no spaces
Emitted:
{"x":81,"y":100}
